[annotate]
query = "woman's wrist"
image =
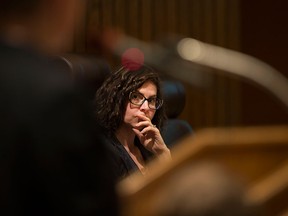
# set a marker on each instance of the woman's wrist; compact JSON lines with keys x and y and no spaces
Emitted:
{"x":163,"y":152}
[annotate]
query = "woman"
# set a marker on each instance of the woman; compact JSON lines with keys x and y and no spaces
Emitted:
{"x":129,"y":108}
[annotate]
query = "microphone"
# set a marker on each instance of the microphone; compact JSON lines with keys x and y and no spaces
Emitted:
{"x":236,"y":64}
{"x":163,"y":59}
{"x":190,"y":60}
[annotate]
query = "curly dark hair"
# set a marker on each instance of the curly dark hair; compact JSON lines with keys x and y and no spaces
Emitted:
{"x":112,"y":97}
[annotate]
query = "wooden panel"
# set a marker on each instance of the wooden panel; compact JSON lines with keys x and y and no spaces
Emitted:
{"x":257,"y":157}
{"x":147,"y":20}
{"x":271,"y":193}
{"x":120,"y":14}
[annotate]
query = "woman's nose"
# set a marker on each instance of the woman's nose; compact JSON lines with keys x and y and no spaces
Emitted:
{"x":144,"y":106}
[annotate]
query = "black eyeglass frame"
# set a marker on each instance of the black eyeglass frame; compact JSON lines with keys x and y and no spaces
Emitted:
{"x":158,"y":104}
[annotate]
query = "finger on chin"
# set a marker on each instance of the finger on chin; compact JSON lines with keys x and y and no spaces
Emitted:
{"x":137,"y":132}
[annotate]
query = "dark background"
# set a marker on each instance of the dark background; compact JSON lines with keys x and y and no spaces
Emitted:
{"x":257,"y":27}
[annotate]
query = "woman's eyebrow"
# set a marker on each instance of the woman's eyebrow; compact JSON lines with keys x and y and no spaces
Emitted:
{"x":152,"y":96}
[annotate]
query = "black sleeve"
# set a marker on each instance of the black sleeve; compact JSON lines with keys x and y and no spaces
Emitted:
{"x":73,"y":160}
{"x":60,"y":163}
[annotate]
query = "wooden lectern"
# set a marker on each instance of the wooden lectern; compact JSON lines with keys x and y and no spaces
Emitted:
{"x":257,"y":157}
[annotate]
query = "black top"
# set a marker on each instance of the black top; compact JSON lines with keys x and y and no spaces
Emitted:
{"x":52,"y":159}
{"x":123,"y":164}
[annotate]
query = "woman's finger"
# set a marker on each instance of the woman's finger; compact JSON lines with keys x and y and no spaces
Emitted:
{"x":138,"y":133}
{"x":143,"y":117}
{"x":148,"y":129}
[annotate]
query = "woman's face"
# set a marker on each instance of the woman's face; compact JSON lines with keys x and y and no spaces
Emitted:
{"x":148,"y":90}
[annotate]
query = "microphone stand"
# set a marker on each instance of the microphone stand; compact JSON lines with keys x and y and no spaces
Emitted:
{"x":189,"y":60}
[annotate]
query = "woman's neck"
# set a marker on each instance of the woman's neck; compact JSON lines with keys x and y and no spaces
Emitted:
{"x":126,"y":137}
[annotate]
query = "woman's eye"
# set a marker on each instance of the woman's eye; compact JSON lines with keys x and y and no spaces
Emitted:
{"x":152,"y":100}
{"x":137,"y":96}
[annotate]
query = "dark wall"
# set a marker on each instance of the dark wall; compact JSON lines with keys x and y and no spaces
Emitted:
{"x":255,"y":27}
{"x":264,"y":34}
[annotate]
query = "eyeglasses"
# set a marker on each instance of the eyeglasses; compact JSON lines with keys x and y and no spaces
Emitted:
{"x":138,"y":99}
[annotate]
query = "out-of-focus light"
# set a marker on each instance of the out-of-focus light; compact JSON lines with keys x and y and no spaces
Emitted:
{"x":132,"y":59}
{"x":190,"y":49}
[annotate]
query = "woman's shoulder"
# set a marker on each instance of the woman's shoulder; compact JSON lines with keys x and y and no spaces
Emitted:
{"x":115,"y":155}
